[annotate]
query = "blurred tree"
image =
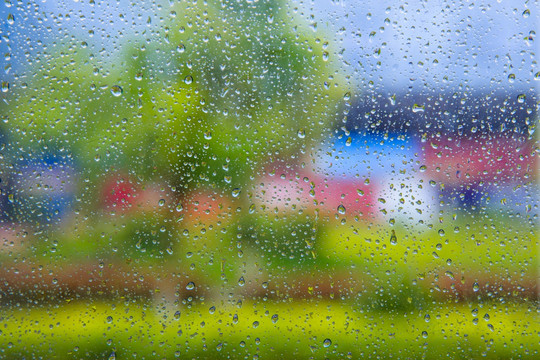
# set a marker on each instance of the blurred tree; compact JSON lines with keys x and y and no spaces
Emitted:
{"x":203,"y":96}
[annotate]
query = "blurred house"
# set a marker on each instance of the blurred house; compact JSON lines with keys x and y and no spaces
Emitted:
{"x":369,"y":177}
{"x":42,"y":190}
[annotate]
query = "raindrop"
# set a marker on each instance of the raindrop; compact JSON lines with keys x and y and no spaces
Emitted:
{"x":241,"y":281}
{"x":327,"y":343}
{"x":5,"y":86}
{"x":325,"y":56}
{"x":116,"y":90}
{"x":476,"y":287}
{"x":521,"y":98}
{"x":180,"y":48}
{"x":161,"y":202}
{"x":526,"y":13}
{"x":188,"y":79}
{"x":302,"y":133}
{"x":341,"y":209}
{"x":190,"y":286}
{"x":177,"y":315}
{"x":236,"y":192}
{"x":418,"y":108}
{"x":393,"y":238}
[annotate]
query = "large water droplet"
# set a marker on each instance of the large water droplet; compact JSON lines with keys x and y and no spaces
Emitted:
{"x":116,"y":90}
{"x":393,"y":238}
{"x":327,"y":343}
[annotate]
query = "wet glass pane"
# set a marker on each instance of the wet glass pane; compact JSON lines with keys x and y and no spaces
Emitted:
{"x":269,"y":179}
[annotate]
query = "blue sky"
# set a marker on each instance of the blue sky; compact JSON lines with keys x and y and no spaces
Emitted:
{"x":388,"y":45}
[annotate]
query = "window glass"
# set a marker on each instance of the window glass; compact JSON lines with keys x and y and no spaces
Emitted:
{"x":268,"y":179}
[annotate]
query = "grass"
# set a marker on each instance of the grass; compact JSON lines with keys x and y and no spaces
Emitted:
{"x":147,"y":331}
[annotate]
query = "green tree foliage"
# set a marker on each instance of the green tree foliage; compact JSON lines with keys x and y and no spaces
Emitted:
{"x":208,"y":92}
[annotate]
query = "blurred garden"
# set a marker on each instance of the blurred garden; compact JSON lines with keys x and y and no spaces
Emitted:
{"x":225,"y":185}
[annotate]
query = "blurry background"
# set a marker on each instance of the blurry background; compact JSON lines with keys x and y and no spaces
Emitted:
{"x":270,"y":179}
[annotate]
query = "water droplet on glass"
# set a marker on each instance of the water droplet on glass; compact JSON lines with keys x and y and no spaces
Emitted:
{"x":302,"y":133}
{"x":112,"y":356}
{"x":418,"y":108}
{"x":190,"y":285}
{"x":526,"y":13}
{"x":325,"y":56}
{"x":424,"y":334}
{"x":161,"y":202}
{"x":275,"y":318}
{"x":521,"y":98}
{"x":241,"y":281}
{"x":327,"y":343}
{"x":10,"y":19}
{"x":341,"y":209}
{"x":236,"y":192}
{"x":188,"y":79}
{"x":177,"y":315}
{"x":109,"y":319}
{"x":476,"y":287}
{"x":393,"y":238}
{"x":511,"y":78}
{"x":116,"y":90}
{"x":180,"y":48}
{"x":5,"y":86}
